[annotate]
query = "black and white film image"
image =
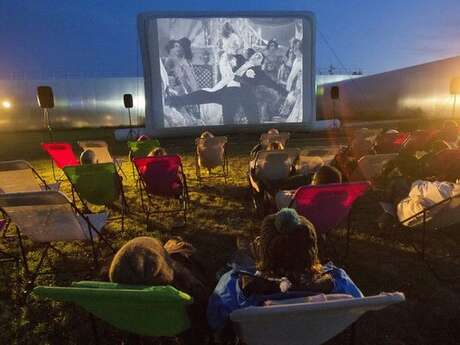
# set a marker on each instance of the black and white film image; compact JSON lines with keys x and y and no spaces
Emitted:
{"x":225,"y":71}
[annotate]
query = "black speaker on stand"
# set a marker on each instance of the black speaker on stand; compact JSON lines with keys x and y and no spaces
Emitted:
{"x":128,"y":102}
{"x":45,"y":100}
{"x":334,"y":97}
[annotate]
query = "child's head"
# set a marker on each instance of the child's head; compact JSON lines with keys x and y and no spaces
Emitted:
{"x":88,"y":157}
{"x":143,"y":137}
{"x":325,"y":175}
{"x":276,"y":145}
{"x":287,"y":244}
{"x":157,"y":151}
{"x":142,"y":261}
{"x":206,"y":135}
{"x":273,"y":131}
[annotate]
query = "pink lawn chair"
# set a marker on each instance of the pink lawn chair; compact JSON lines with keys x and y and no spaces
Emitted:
{"x":326,"y":206}
{"x":162,"y":176}
{"x":390,"y":142}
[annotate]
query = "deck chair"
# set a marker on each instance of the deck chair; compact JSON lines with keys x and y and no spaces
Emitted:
{"x":266,"y":173}
{"x":298,"y":323}
{"x":371,"y":166}
{"x":162,"y":176}
{"x":283,"y":138}
{"x":143,"y":310}
{"x":19,"y":176}
{"x":435,"y":218}
{"x":101,"y":150}
{"x":48,"y":217}
{"x":61,"y":155}
{"x":97,"y":184}
{"x":390,"y":142}
{"x":326,"y":206}
{"x":211,"y":153}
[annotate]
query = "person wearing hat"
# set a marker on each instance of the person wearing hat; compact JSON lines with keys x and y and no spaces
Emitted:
{"x":286,"y":265}
{"x":145,"y":261}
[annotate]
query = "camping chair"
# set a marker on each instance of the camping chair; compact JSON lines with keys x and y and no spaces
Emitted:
{"x":154,"y":311}
{"x":390,"y":142}
{"x":139,"y":149}
{"x":419,"y":140}
{"x":266,"y":138}
{"x":326,"y":206}
{"x":162,"y":176}
{"x":267,"y":171}
{"x":371,"y":166}
{"x":435,"y":218}
{"x":295,"y":322}
{"x":19,"y":176}
{"x":101,"y":150}
{"x":97,"y":184}
{"x":47,"y":217}
{"x":61,"y":154}
{"x":211,"y":153}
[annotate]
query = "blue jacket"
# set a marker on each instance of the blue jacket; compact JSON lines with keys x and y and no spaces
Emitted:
{"x":228,"y":296}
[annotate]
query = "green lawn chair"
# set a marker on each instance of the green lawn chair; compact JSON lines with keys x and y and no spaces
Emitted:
{"x":143,"y":310}
{"x":138,"y":149}
{"x":97,"y":184}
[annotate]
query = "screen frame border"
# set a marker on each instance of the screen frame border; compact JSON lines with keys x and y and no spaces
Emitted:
{"x":148,"y":55}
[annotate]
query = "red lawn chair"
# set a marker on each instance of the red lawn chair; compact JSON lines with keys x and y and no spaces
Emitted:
{"x":162,"y":176}
{"x":390,"y":142}
{"x":61,"y":154}
{"x":326,"y":206}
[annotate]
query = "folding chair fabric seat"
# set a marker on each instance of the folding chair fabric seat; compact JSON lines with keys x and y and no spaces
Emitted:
{"x":48,"y":216}
{"x":327,"y":205}
{"x":100,"y":149}
{"x":144,"y":310}
{"x":305,"y":323}
{"x":19,"y":176}
{"x":275,"y":165}
{"x":371,"y":166}
{"x":99,"y":184}
{"x":390,"y":142}
{"x":61,"y":153}
{"x":161,"y":175}
{"x":211,"y":151}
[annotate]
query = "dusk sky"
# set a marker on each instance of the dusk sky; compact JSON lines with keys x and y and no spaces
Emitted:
{"x":99,"y":38}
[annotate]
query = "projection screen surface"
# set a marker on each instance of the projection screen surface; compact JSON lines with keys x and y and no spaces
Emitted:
{"x":227,"y":70}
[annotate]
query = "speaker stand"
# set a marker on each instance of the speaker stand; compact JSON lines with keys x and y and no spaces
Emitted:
{"x":47,"y":125}
{"x":130,"y":135}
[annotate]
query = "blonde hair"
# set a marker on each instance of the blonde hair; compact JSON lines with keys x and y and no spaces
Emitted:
{"x":157,"y":151}
{"x":206,"y":135}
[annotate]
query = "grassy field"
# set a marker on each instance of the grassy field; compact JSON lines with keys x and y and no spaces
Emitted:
{"x":219,"y":214}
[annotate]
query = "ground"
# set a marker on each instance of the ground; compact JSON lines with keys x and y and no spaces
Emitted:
{"x":379,"y":260}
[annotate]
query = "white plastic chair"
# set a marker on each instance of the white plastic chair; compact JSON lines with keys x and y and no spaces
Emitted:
{"x":305,"y":323}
